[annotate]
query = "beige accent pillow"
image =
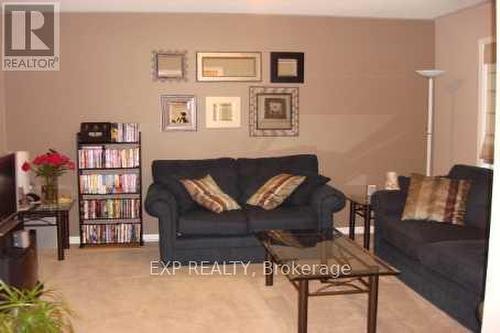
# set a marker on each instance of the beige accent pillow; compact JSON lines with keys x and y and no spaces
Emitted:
{"x":208,"y":194}
{"x":436,"y":198}
{"x":275,"y":191}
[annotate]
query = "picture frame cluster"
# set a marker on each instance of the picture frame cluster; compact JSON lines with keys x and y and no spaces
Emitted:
{"x":273,"y":110}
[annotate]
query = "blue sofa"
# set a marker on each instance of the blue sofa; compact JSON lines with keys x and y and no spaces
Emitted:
{"x":189,"y":232}
{"x":444,"y":263}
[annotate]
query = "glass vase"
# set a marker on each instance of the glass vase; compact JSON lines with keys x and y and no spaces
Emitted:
{"x":50,"y":191}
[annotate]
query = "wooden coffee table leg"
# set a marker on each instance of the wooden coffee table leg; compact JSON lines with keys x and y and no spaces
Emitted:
{"x":372,"y":304}
{"x":269,"y":272}
{"x":303,"y":295}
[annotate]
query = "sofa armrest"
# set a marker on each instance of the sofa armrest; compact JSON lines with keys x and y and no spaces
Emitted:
{"x":325,"y":201}
{"x":388,"y":203}
{"x":159,"y":201}
{"x":161,"y":204}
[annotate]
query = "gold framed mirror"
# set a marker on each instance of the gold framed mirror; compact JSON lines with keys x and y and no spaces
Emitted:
{"x":229,"y":66}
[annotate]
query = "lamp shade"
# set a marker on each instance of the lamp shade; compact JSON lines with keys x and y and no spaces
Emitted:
{"x":430,"y":72}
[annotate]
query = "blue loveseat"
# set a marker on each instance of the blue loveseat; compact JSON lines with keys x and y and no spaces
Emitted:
{"x":444,"y":263}
{"x":189,"y":232}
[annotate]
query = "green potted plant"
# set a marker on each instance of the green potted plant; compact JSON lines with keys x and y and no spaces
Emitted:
{"x":32,"y":311}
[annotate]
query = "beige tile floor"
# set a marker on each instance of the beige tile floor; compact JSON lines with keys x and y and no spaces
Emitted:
{"x":111,"y":290}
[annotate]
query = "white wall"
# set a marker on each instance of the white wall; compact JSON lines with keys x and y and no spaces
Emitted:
{"x":491,"y":317}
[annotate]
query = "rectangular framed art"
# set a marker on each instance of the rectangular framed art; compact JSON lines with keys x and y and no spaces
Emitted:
{"x":228,"y":66}
{"x":223,"y":112}
{"x":178,"y":112}
{"x":274,"y":111}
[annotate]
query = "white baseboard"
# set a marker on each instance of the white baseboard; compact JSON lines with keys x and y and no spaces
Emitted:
{"x":357,"y":230}
{"x":74,"y":240}
{"x":149,"y":238}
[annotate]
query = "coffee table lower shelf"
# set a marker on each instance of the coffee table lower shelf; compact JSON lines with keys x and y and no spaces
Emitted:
{"x":369,"y":285}
{"x":305,"y":250}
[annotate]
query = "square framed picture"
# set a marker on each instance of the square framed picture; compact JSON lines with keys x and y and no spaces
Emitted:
{"x":223,"y":112}
{"x":274,"y":111}
{"x":169,"y":65}
{"x":287,"y":67}
{"x":178,"y":112}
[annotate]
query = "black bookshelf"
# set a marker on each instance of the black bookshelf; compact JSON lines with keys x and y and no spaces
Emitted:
{"x":120,"y":224}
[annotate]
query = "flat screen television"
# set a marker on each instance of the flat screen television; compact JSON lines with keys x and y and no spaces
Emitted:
{"x":8,"y":205}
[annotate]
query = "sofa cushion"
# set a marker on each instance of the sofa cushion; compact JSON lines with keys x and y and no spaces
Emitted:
{"x":302,"y":195}
{"x":205,"y":222}
{"x":287,"y":218}
{"x":252,"y":169}
{"x":438,"y":199}
{"x":208,"y":194}
{"x":275,"y":190}
{"x":410,"y":235}
{"x":479,"y":201}
{"x":169,"y":173}
{"x":461,"y":261}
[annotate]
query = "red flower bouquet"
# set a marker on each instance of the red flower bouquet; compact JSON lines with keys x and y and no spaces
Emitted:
{"x":49,"y":166}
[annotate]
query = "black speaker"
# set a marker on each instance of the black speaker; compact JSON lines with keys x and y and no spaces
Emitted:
{"x":95,"y":132}
{"x":18,"y":266}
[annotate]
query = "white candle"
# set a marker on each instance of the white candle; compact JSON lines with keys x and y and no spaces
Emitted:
{"x":391,"y":181}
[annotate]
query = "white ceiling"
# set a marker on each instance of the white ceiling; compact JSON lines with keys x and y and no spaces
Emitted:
{"x":410,"y":9}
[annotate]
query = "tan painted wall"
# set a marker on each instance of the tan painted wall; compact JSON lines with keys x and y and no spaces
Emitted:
{"x":457,"y":103}
{"x":362,"y":107}
{"x":3,"y":134}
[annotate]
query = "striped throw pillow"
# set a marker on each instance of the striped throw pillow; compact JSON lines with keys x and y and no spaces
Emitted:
{"x":275,"y":191}
{"x":438,"y":199}
{"x":208,"y":194}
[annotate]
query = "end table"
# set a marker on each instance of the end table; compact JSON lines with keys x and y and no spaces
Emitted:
{"x":360,"y":206}
{"x":58,"y":211}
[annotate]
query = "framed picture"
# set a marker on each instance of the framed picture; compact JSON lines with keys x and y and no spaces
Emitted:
{"x":178,"y":112}
{"x":228,"y":66}
{"x":169,"y":65}
{"x":223,"y":112}
{"x":274,"y":111}
{"x":287,"y":67}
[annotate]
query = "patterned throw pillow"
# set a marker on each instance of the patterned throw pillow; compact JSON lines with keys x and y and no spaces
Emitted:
{"x":438,"y":199}
{"x":275,"y":191}
{"x":208,"y":194}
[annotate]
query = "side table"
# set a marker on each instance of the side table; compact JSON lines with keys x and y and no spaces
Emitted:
{"x":360,"y":206}
{"x":58,"y":211}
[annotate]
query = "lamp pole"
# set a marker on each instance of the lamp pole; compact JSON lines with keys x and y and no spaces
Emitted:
{"x":430,"y":74}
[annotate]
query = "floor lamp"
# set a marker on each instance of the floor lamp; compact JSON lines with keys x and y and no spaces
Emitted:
{"x":430,"y":74}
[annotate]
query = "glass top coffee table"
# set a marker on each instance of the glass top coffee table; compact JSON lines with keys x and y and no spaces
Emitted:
{"x":338,"y":263}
